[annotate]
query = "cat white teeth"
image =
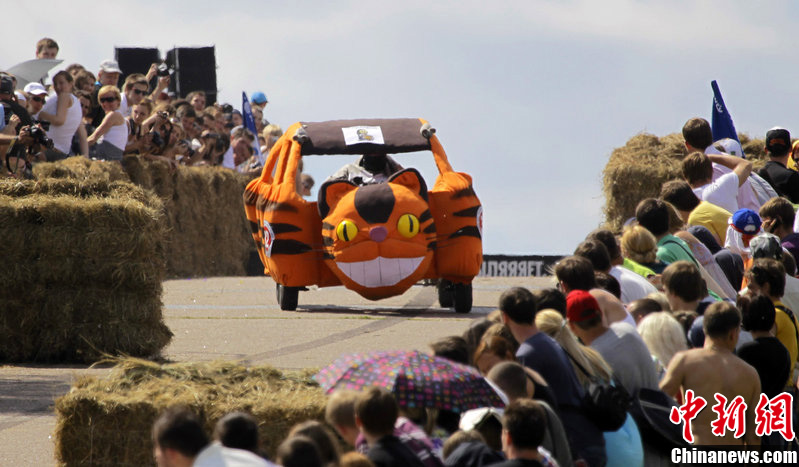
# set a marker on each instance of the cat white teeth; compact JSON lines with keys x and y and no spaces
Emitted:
{"x":380,"y":272}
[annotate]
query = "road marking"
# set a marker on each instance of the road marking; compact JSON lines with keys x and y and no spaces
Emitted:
{"x":415,"y":307}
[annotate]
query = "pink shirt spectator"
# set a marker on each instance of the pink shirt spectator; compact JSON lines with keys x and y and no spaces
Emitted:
{"x":412,"y":436}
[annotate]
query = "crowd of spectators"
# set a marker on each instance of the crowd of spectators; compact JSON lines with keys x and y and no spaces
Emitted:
{"x":696,"y":293}
{"x":79,"y":113}
{"x":689,"y":297}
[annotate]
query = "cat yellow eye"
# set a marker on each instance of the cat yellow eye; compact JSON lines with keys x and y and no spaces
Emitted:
{"x":408,"y":225}
{"x":346,"y":230}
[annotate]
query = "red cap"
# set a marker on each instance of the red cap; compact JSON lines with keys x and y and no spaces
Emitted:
{"x":581,"y":306}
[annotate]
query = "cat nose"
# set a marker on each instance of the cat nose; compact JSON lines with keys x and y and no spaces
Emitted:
{"x":378,"y":233}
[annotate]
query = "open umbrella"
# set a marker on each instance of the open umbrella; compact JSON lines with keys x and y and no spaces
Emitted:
{"x":32,"y":70}
{"x":415,"y":378}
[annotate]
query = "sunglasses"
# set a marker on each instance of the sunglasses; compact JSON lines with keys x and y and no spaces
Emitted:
{"x":108,"y":99}
{"x":37,"y":99}
{"x":140,"y":91}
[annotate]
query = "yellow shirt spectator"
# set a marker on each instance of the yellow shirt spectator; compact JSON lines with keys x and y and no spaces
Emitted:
{"x":786,"y":334}
{"x":713,"y":217}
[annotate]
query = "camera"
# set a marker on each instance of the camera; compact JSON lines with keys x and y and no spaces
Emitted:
{"x":189,"y":150}
{"x":163,"y":70}
{"x":39,"y":136}
{"x":227,"y":108}
{"x":156,"y":139}
{"x":43,"y":123}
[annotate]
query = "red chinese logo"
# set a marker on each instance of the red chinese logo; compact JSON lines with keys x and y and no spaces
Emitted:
{"x":777,"y":417}
{"x":686,"y":413}
{"x":729,"y":417}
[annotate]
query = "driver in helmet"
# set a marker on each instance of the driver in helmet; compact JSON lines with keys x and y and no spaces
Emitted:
{"x":370,"y":168}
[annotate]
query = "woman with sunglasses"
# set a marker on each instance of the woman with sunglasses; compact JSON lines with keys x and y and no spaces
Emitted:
{"x":36,"y":95}
{"x":111,"y":136}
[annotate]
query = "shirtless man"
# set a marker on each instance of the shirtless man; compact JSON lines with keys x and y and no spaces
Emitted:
{"x":715,"y":369}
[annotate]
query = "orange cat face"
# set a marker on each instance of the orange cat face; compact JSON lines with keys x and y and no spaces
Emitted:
{"x":378,"y":239}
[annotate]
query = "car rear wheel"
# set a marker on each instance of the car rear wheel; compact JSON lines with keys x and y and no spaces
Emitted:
{"x":444,"y":288}
{"x":462,"y":297}
{"x":287,"y":297}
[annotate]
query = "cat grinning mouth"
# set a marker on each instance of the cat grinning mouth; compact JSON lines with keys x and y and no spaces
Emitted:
{"x":380,"y":272}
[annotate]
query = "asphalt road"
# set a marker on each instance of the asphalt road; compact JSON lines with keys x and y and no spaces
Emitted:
{"x":237,"y":318}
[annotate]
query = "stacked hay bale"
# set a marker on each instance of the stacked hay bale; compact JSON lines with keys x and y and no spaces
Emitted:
{"x":83,"y":266}
{"x":81,"y":168}
{"x":207,"y":233}
{"x":638,"y":169}
{"x":108,"y":421}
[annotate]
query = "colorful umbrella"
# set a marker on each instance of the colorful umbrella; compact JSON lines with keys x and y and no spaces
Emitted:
{"x":415,"y":378}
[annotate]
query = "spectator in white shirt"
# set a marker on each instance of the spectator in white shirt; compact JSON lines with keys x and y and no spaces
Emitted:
{"x":697,"y":169}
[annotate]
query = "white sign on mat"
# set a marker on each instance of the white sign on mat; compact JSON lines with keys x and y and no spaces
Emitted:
{"x":363,"y":134}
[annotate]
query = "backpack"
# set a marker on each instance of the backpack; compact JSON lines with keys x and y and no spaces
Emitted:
{"x":605,"y":402}
{"x":788,"y":312}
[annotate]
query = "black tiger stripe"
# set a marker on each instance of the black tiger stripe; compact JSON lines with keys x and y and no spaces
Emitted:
{"x":327,"y":226}
{"x":250,"y":197}
{"x":254,"y":227}
{"x":468,"y":212}
{"x":466,"y":192}
{"x":327,"y":256}
{"x":468,"y":231}
{"x":289,"y":247}
{"x":275,"y":206}
{"x":327,"y":241}
{"x":279,"y":228}
{"x":430,"y":229}
{"x":432,"y":245}
{"x":426,"y":216}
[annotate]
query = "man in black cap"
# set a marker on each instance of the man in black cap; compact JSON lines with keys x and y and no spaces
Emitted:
{"x":784,"y":180}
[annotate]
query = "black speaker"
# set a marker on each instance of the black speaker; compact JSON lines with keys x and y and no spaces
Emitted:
{"x":195,"y":70}
{"x":135,"y":60}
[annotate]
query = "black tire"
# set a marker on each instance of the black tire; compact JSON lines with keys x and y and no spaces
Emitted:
{"x":462,"y":297}
{"x":287,"y":297}
{"x":444,"y":288}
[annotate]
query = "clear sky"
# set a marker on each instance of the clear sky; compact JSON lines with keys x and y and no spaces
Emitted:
{"x":529,"y":97}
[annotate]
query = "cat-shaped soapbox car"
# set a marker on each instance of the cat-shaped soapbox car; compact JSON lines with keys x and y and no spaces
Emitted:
{"x":377,"y":240}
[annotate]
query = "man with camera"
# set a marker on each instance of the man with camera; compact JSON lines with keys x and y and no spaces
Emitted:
{"x":21,"y":138}
{"x":134,"y":90}
{"x":163,"y":72}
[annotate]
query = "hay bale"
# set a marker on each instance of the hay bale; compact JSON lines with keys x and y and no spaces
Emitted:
{"x":80,"y":168}
{"x":83,"y":271}
{"x":107,"y":421}
{"x":638,"y":169}
{"x":207,"y":231}
{"x":211,"y":235}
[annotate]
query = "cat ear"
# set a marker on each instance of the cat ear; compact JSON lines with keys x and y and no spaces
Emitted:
{"x":330,"y":193}
{"x":411,"y":179}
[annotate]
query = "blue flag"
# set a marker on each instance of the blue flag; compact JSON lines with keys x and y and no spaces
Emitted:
{"x":721,"y":123}
{"x":249,"y":123}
